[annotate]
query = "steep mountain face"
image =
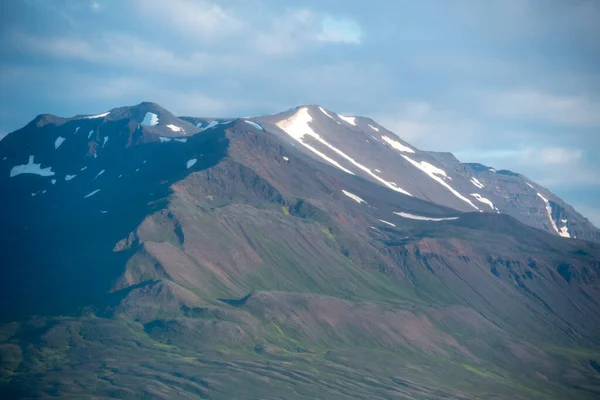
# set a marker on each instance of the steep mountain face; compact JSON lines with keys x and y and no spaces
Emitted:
{"x":359,"y":146}
{"x":274,"y":257}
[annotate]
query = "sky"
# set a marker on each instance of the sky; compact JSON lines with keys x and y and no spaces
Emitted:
{"x":513,"y":84}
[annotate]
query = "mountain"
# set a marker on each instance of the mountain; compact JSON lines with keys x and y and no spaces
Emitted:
{"x":297,"y":255}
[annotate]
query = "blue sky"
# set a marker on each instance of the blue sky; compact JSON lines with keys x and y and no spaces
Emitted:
{"x":514,"y":84}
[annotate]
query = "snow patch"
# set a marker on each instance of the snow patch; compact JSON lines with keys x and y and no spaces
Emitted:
{"x":91,"y":194}
{"x":99,"y":173}
{"x":191,"y":163}
{"x":354,"y":197}
{"x":31,"y":168}
{"x":374,"y":128}
{"x":103,"y":211}
{"x":349,"y":120}
{"x":422,"y":218}
{"x":397,"y":145}
{"x":433,"y":172}
{"x":76,"y":129}
{"x":84,"y":168}
{"x":286,"y":158}
{"x":90,"y":134}
{"x":59,"y":140}
{"x":164,"y":139}
{"x":150,"y":119}
{"x":475,"y":182}
{"x":69,"y":177}
{"x":564,"y":232}
{"x":254,"y":124}
{"x":53,"y":181}
{"x":389,"y":223}
{"x":175,"y":128}
{"x":98,"y":115}
{"x":529,"y":185}
{"x":105,"y":140}
{"x":211,"y":125}
{"x":483,"y":200}
{"x":297,"y":127}
{"x":376,"y":170}
{"x":181,"y":140}
{"x":325,"y":112}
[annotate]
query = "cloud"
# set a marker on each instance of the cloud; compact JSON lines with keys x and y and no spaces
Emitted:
{"x":560,"y":156}
{"x":340,"y":30}
{"x":429,"y":127}
{"x":197,"y":20}
{"x":125,"y":51}
{"x":541,"y":106}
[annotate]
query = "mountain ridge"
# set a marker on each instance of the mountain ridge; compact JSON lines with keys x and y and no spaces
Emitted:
{"x":244,"y":264}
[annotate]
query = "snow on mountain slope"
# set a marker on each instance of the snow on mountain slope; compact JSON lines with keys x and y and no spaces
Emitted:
{"x":355,"y":145}
{"x":360,"y":146}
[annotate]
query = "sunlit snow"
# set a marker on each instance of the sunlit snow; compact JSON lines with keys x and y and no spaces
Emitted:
{"x":181,"y":140}
{"x":564,"y":232}
{"x":150,"y":119}
{"x":31,"y":168}
{"x":285,"y":158}
{"x":475,"y":182}
{"x":174,"y":128}
{"x":349,"y":120}
{"x":422,"y":218}
{"x":385,"y":222}
{"x":91,"y":194}
{"x":376,"y":170}
{"x":254,"y":124}
{"x":98,"y":116}
{"x":433,"y":172}
{"x":59,"y":140}
{"x":297,"y":127}
{"x":212,"y":124}
{"x":397,"y":145}
{"x":354,"y":197}
{"x":99,"y":173}
{"x":191,"y":162}
{"x":69,"y":177}
{"x":483,"y":200}
{"x":164,"y":139}
{"x":374,"y":128}
{"x":529,"y":185}
{"x":325,"y":112}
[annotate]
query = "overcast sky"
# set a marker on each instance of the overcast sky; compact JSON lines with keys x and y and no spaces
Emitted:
{"x":513,"y":84}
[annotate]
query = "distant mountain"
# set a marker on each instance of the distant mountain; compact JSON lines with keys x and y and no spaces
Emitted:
{"x":298,"y":255}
